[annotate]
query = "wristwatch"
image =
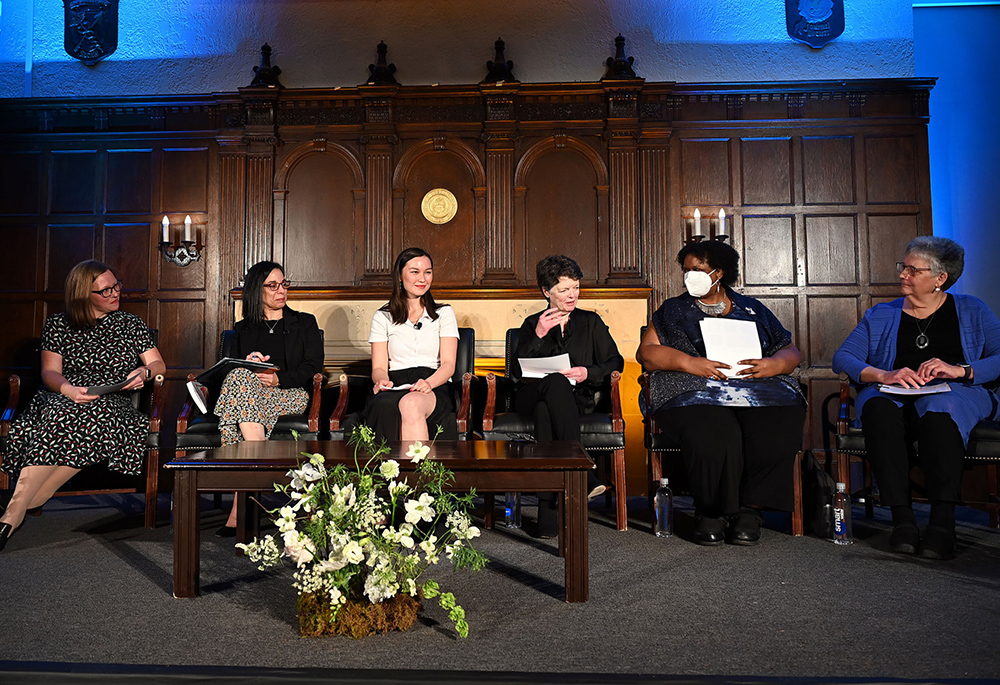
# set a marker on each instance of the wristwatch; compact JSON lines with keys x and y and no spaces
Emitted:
{"x":149,"y":373}
{"x":968,"y":371}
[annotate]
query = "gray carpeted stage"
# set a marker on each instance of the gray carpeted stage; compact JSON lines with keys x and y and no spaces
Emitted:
{"x":86,"y":584}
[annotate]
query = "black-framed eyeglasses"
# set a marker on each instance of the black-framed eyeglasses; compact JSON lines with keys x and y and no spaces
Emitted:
{"x":274,"y":285}
{"x":910,"y":271}
{"x":106,"y":292}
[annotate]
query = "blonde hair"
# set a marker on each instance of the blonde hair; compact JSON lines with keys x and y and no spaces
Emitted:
{"x":79,"y":283}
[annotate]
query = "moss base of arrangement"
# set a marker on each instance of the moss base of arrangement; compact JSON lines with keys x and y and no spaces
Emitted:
{"x":355,"y":619}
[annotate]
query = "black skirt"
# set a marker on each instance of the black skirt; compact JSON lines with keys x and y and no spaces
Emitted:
{"x":381,"y":412}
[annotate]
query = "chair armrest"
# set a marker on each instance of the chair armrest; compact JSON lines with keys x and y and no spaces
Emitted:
{"x":844,"y":411}
{"x":617,"y":422}
{"x":156,"y":406}
{"x":644,"y":382}
{"x":12,"y":397}
{"x":489,"y":412}
{"x":314,"y":403}
{"x":466,"y":403}
{"x":187,"y":411}
{"x":338,"y":413}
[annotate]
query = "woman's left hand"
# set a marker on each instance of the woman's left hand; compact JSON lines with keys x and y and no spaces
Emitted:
{"x":577,"y":373}
{"x":935,"y":368}
{"x":760,"y":368}
{"x":269,"y":379}
{"x":422,"y":386}
{"x":138,"y":377}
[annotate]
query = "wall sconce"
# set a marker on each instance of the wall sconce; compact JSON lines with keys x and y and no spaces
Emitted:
{"x":718,"y":229}
{"x":182,"y":254}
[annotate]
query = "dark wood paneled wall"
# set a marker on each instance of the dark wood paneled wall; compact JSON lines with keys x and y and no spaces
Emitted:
{"x":824,"y":183}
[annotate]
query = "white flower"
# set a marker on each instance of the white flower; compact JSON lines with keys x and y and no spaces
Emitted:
{"x":298,"y":548}
{"x":411,"y":587}
{"x":428,"y":544}
{"x":389,"y":469}
{"x":316,"y":459}
{"x":397,"y":488}
{"x":336,"y":596}
{"x":302,"y":477}
{"x":353,"y":552}
{"x":419,"y":510}
{"x":418,"y":451}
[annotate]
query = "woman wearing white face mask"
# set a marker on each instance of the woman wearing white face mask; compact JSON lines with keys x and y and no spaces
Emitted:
{"x":739,"y":436}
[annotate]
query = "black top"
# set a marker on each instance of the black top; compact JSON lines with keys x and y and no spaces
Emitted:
{"x":296,"y":346}
{"x":586,"y":339}
{"x":944,"y":340}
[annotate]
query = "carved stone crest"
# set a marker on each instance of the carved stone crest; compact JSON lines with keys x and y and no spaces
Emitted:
{"x":814,"y":22}
{"x":91,"y":31}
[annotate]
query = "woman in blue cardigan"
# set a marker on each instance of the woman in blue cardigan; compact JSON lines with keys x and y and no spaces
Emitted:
{"x":928,"y":336}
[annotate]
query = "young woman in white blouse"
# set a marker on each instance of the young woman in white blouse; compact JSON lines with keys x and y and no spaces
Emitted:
{"x":414,"y":342}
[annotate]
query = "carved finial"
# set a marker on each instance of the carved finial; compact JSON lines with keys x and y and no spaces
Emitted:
{"x":266,"y":75}
{"x":620,"y":66}
{"x":498,"y":69}
{"x":381,"y":72}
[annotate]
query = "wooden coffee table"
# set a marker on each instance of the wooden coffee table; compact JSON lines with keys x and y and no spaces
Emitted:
{"x":487,"y":466}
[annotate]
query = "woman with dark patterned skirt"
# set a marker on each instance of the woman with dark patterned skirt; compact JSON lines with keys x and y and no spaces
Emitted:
{"x":65,"y":429}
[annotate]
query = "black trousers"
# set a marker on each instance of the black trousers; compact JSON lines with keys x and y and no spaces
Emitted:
{"x":551,"y":404}
{"x":737,"y":456}
{"x":890,"y":432}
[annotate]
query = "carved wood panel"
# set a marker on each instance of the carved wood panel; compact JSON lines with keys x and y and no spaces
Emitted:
{"x":20,"y":191}
{"x":766,"y":171}
{"x":891,"y":169}
{"x":72,"y":181}
{"x":828,"y":170}
{"x":129,"y":184}
{"x":831,"y":250}
{"x":887,"y":240}
{"x":768,"y":250}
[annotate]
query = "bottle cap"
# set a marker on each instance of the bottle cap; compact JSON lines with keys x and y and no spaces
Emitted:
{"x":841,"y":487}
{"x":664,"y":481}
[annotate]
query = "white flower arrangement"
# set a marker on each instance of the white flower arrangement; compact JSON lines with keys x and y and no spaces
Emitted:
{"x":367,"y":532}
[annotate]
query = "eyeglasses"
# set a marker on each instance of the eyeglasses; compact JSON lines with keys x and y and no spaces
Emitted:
{"x":274,"y":285}
{"x":106,"y":292}
{"x":910,"y":271}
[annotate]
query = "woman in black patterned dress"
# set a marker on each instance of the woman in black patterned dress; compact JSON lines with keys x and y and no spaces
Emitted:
{"x":250,"y":403}
{"x":65,"y":429}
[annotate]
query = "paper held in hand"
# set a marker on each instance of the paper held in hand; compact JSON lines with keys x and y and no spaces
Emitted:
{"x":540,"y":367}
{"x":922,"y":390}
{"x":730,"y":341}
{"x":105,"y":389}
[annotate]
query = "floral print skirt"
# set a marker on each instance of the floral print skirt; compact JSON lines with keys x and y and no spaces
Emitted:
{"x":244,"y":399}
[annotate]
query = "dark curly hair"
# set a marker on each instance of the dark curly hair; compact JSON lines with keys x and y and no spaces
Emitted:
{"x":555,"y":266}
{"x":717,"y":255}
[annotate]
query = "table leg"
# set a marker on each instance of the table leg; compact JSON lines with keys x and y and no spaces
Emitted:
{"x":575,"y":534}
{"x":187,"y":534}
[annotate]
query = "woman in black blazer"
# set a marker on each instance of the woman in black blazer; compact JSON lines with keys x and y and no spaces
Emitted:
{"x":556,"y":402}
{"x":250,"y":403}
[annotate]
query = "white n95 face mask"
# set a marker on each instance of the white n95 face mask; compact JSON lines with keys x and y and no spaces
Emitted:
{"x":699,"y":283}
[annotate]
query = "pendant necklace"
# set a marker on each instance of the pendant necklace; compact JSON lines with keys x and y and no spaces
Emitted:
{"x":922,"y":341}
{"x":270,"y":327}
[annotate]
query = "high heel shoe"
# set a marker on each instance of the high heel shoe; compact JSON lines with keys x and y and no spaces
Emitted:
{"x":6,"y":530}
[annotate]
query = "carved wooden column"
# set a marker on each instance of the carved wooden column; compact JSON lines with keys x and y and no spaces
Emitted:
{"x":378,"y":139}
{"x":657,"y":248}
{"x":260,"y":136}
{"x":622,"y":133}
{"x":232,"y":220}
{"x":500,"y":136}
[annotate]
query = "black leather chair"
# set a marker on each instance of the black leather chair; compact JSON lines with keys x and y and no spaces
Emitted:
{"x":461,"y":390}
{"x":149,"y":401}
{"x":981,"y":456}
{"x":201,"y":431}
{"x":661,"y":447}
{"x":601,"y":432}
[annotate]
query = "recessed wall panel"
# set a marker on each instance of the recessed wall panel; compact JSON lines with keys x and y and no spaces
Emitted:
{"x":768,"y":250}
{"x":766,"y":171}
{"x":705,"y":170}
{"x":831,"y":250}
{"x":72,"y":182}
{"x":185,"y":180}
{"x":831,"y":319}
{"x":20,"y":189}
{"x":828,"y":175}
{"x":66,"y":246}
{"x":129,"y":184}
{"x":891,"y":164}
{"x":888,"y":237}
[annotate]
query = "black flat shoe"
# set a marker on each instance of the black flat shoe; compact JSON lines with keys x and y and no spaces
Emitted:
{"x":6,"y":530}
{"x":938,"y":543}
{"x":225,"y":532}
{"x":744,"y":528}
{"x":905,"y":538}
{"x":709,"y":530}
{"x":548,"y":522}
{"x":34,"y":511}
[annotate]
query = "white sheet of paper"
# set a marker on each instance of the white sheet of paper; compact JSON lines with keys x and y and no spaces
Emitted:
{"x":924,"y":390}
{"x":540,"y":367}
{"x":730,"y":341}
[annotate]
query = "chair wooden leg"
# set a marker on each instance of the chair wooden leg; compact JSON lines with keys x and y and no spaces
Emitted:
{"x":152,"y":486}
{"x":621,"y":494}
{"x":797,"y":527}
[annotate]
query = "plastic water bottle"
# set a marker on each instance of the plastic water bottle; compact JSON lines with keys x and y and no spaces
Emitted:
{"x":664,"y":524}
{"x":512,"y":510}
{"x":842,"y":534}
